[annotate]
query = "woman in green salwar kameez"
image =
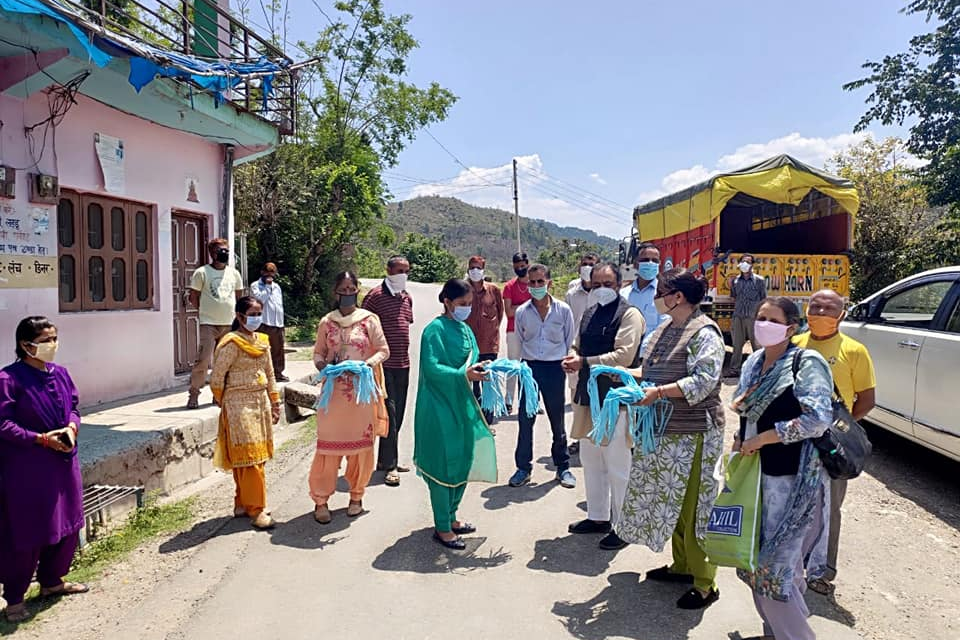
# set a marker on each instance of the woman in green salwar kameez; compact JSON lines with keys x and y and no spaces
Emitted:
{"x":452,"y":443}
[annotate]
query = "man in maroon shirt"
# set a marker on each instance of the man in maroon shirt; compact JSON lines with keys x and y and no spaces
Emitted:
{"x":393,"y":305}
{"x":515,"y":293}
{"x":485,"y":317}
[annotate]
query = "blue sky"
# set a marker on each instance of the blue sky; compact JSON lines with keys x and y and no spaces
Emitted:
{"x":630,"y":100}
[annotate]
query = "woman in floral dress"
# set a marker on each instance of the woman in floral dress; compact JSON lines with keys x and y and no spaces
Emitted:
{"x":784,"y":400}
{"x":672,"y":490}
{"x":346,"y":428}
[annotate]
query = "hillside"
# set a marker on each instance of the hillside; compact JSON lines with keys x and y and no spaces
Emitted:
{"x":465,"y":230}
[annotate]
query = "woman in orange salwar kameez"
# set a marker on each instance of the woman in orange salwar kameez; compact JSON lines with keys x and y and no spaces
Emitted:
{"x":346,"y":428}
{"x":243,"y":386}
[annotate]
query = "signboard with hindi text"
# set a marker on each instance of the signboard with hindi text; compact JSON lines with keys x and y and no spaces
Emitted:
{"x":28,"y":246}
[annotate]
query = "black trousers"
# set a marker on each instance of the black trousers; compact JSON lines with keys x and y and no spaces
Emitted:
{"x":397,"y":381}
{"x":476,"y":387}
{"x":552,"y":382}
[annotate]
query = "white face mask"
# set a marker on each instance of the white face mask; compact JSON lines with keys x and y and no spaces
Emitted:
{"x":475,"y":274}
{"x":745,"y":266}
{"x":586,"y":272}
{"x":602,"y":296}
{"x":398,"y":281}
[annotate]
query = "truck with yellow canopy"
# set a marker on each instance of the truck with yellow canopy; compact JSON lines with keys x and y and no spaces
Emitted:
{"x":796,"y":220}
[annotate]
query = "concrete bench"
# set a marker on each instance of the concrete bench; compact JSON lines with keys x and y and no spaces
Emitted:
{"x":298,"y":396}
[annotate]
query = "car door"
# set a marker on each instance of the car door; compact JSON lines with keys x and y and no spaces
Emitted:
{"x":936,"y":420}
{"x":894,"y":333}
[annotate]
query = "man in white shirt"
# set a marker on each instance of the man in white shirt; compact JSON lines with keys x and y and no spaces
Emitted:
{"x":544,"y":329}
{"x":215,"y":289}
{"x":268,"y":292}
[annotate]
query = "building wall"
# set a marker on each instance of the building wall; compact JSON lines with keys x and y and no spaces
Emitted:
{"x":110,"y":354}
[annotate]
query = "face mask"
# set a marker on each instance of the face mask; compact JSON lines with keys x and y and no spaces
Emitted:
{"x":476,"y":275}
{"x":661,"y":305}
{"x":223,"y":255}
{"x":521,"y":273}
{"x":648,"y":270}
{"x":823,"y":325}
{"x":745,"y":267}
{"x":398,"y":281}
{"x":460,"y":314}
{"x":46,"y":351}
{"x":348,"y":301}
{"x":585,"y":273}
{"x":538,"y":293}
{"x":770,"y":334}
{"x":252,"y":323}
{"x":602,"y":296}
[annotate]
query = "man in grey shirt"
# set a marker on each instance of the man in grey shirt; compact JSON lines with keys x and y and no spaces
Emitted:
{"x":748,"y":291}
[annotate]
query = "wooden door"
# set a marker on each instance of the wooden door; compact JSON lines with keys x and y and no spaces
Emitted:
{"x":188,"y":240}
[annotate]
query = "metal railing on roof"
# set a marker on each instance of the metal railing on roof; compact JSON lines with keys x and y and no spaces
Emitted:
{"x":201,"y":28}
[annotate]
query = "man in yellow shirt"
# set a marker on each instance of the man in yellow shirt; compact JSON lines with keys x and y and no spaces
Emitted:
{"x":854,"y":376}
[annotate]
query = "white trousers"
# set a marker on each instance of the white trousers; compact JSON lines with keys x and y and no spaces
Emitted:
{"x":513,"y":353}
{"x":606,"y":471}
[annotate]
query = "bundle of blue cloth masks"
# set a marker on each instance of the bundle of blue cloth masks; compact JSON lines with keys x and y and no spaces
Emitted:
{"x":365,"y":387}
{"x":491,"y":390}
{"x":646,"y":424}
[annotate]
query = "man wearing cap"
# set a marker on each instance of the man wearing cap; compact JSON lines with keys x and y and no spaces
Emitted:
{"x":268,"y":292}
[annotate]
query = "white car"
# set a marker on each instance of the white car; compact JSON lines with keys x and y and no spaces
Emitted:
{"x":912,"y":331}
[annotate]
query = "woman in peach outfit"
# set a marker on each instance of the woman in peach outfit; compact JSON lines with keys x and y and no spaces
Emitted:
{"x":346,"y":428}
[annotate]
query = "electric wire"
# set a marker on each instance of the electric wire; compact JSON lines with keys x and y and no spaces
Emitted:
{"x":570,"y":184}
{"x":587,"y":206}
{"x":574,"y":193}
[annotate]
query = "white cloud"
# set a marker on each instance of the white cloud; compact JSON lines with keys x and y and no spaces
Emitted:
{"x":539,"y":198}
{"x":596,"y":178}
{"x":812,"y":151}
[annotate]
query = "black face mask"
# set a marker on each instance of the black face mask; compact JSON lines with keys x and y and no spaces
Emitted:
{"x":223,"y":255}
{"x":348,"y":301}
{"x":521,"y":272}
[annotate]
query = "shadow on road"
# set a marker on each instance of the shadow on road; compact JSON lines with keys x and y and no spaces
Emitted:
{"x":502,"y":496}
{"x":629,"y":608}
{"x":828,"y":607}
{"x":419,"y":553}
{"x":924,"y":477}
{"x":576,"y":554}
{"x":303,"y":532}
{"x":203,"y":531}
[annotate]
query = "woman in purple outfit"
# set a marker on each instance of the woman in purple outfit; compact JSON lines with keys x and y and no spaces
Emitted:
{"x":41,"y":498}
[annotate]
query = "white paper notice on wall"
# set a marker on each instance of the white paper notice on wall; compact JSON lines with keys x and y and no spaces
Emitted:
{"x":110,"y":154}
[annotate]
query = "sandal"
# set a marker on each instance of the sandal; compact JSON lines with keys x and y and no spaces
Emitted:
{"x":354,"y":508}
{"x":821,"y":586}
{"x":64,"y":589}
{"x":457,"y":544}
{"x":15,"y":614}
{"x":263,"y":521}
{"x":322,"y":514}
{"x":465,"y":527}
{"x":694,"y":599}
{"x":392,"y":479}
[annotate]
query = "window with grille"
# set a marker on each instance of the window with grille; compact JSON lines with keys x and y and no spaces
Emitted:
{"x":106,"y":253}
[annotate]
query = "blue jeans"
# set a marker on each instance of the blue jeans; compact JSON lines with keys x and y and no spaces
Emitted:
{"x":552,"y":380}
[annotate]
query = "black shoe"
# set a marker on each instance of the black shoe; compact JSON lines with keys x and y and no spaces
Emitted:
{"x":574,"y":449}
{"x":456,"y":544}
{"x":694,"y":600}
{"x":282,"y":378}
{"x":663,"y":574}
{"x":613,"y":542}
{"x":464,"y":528}
{"x":509,"y":409}
{"x":589,"y":526}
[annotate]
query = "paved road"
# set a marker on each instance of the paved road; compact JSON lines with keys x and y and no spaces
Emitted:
{"x":522,"y":577}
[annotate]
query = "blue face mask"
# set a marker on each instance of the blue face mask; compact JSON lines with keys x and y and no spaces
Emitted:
{"x":461,"y":313}
{"x":252,"y":323}
{"x":648,"y":270}
{"x":538,"y":293}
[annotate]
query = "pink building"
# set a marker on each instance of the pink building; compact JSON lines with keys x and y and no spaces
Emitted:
{"x":109,"y":194}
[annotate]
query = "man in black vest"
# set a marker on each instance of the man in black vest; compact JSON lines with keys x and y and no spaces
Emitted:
{"x":610,"y":334}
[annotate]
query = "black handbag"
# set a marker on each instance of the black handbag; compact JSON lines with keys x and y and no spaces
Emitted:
{"x":844,"y":447}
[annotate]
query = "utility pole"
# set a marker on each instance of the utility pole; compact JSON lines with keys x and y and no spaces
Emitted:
{"x":516,"y":205}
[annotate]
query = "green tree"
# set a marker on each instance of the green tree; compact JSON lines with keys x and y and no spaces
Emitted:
{"x":323,"y":191}
{"x":923,"y":85}
{"x":896,"y":227}
{"x":429,"y":262}
{"x":563,"y":258}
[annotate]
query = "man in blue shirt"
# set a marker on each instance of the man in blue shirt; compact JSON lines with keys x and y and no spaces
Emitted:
{"x":643,"y":290}
{"x":268,"y":292}
{"x":544,"y":329}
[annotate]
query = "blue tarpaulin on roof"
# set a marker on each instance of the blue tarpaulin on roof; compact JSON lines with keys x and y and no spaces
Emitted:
{"x":147,"y":62}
